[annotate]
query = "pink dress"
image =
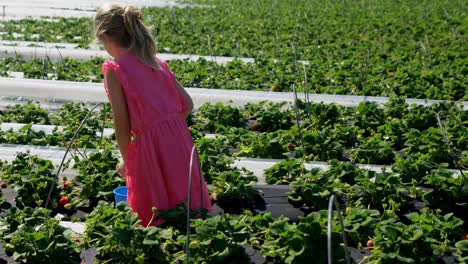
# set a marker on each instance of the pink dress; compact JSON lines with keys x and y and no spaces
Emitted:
{"x":158,"y":162}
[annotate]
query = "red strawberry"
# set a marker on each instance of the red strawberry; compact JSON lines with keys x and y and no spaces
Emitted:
{"x":65,"y":185}
{"x":3,"y":184}
{"x":255,"y":127}
{"x":63,"y":201}
{"x":370,"y":244}
{"x":291,"y":146}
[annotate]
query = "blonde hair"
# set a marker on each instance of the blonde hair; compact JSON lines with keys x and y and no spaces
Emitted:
{"x":122,"y":23}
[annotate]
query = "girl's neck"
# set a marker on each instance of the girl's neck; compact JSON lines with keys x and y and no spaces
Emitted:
{"x":119,"y":52}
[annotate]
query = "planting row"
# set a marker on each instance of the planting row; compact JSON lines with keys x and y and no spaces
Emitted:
{"x":269,"y":74}
{"x":282,"y":29}
{"x":390,"y":215}
{"x":366,"y":134}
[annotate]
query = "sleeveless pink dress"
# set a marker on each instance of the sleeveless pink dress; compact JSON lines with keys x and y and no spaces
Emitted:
{"x":158,"y":162}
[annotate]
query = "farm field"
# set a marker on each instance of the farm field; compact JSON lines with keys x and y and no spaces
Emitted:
{"x":296,"y":102}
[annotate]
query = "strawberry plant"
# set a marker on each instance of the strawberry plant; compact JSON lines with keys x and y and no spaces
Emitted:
{"x":360,"y":223}
{"x":424,"y":240}
{"x":414,"y":167}
{"x":265,"y":145}
{"x":73,"y":113}
{"x":59,"y":29}
{"x":27,"y":113}
{"x":32,"y":236}
{"x":325,"y":144}
{"x":395,"y":108}
{"x":260,"y":224}
{"x":219,"y":239}
{"x":233,"y":190}
{"x":177,"y":217}
{"x":97,"y":178}
{"x":24,"y":136}
{"x":449,"y":192}
{"x":373,"y":150}
{"x":299,"y":243}
{"x":420,"y":117}
{"x":285,"y":171}
{"x":428,"y":142}
{"x":209,"y":116}
{"x":397,"y":242}
{"x":268,"y":117}
{"x":31,"y":178}
{"x":441,"y":230}
{"x":213,"y":157}
{"x":368,"y":116}
{"x":118,"y":237}
{"x":314,"y":191}
{"x":316,"y":187}
{"x":321,"y":115}
{"x":392,"y":132}
{"x":379,"y":191}
{"x":88,"y":137}
{"x":462,"y":250}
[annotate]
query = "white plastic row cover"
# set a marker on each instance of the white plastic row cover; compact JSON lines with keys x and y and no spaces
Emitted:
{"x":48,"y":129}
{"x":257,"y":166}
{"x":66,"y":8}
{"x":94,"y":92}
{"x":55,"y":53}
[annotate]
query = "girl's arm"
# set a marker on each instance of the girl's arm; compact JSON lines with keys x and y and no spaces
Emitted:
{"x":188,"y":103}
{"x":119,"y":109}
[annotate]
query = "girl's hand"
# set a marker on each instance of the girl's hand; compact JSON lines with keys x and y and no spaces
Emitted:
{"x":120,"y":169}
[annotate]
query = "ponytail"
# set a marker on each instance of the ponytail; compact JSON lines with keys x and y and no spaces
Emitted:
{"x":112,"y":18}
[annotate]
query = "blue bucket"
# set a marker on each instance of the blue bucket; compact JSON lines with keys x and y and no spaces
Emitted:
{"x":120,"y":194}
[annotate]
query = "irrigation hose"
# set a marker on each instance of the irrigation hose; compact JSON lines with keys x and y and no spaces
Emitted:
{"x":447,"y":141}
{"x":192,"y":156}
{"x":332,"y":202}
{"x":56,"y":177}
{"x":298,"y":120}
{"x":306,"y":94}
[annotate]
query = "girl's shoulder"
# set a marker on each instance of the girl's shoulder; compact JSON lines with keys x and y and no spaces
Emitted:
{"x":110,"y":65}
{"x":161,"y":62}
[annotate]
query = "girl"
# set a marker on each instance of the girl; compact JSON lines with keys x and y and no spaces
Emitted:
{"x":150,"y":108}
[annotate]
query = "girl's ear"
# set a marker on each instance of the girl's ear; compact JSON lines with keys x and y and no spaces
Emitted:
{"x":104,"y":38}
{"x":108,"y":44}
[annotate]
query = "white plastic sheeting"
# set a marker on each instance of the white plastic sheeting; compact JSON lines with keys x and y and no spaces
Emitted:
{"x":47,"y":129}
{"x":94,"y":92}
{"x":40,"y":44}
{"x":55,"y":53}
{"x":52,"y":90}
{"x":257,"y":166}
{"x":8,"y":152}
{"x":76,"y":227}
{"x":10,"y":101}
{"x":14,"y":9}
